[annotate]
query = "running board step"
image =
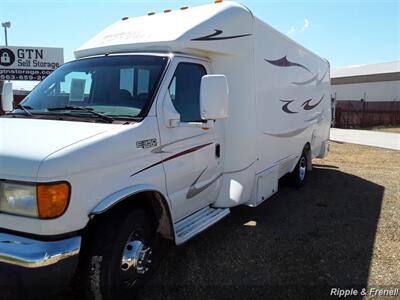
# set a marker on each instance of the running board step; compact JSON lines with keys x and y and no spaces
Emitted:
{"x":192,"y":225}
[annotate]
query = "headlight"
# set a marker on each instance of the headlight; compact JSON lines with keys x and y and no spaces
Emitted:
{"x":18,"y":199}
{"x":44,"y":201}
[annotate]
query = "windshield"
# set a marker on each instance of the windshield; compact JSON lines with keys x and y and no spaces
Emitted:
{"x":114,"y":86}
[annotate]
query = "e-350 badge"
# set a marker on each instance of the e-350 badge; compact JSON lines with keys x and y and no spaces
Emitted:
{"x":145,"y":144}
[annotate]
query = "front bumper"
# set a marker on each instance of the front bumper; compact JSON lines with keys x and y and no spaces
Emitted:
{"x":29,"y":253}
{"x":36,"y":266}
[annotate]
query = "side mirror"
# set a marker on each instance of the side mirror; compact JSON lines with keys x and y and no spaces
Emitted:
{"x":7,"y":97}
{"x":214,"y":95}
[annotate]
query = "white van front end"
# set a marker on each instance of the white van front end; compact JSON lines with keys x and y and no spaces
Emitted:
{"x":33,"y":203}
{"x":59,"y":163}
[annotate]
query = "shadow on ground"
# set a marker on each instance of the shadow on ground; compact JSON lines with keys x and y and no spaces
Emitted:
{"x":303,"y":242}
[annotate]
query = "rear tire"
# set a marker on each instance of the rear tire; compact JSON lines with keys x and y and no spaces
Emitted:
{"x":120,"y":256}
{"x":299,"y":174}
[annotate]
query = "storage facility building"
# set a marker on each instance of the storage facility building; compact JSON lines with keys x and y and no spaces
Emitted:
{"x":367,"y":95}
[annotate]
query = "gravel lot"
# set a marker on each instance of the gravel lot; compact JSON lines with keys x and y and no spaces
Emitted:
{"x":341,"y":230}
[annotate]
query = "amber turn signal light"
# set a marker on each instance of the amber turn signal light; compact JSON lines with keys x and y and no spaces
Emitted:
{"x":52,"y":199}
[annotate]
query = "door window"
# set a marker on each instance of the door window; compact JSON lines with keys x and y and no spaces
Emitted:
{"x":184,"y":90}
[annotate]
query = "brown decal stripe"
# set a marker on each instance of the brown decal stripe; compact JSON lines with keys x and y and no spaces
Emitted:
{"x":306,"y":105}
{"x":216,"y":36}
{"x":284,"y":62}
{"x":173,"y":156}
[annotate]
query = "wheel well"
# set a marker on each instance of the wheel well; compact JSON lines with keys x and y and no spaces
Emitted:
{"x":153,"y":203}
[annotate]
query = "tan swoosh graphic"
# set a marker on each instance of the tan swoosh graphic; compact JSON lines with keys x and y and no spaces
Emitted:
{"x":193,"y":190}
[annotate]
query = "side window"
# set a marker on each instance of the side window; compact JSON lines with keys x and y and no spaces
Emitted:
{"x":136,"y":82}
{"x":126,"y":79}
{"x":72,"y":88}
{"x":184,"y":90}
{"x":76,"y":86}
{"x":143,"y":81}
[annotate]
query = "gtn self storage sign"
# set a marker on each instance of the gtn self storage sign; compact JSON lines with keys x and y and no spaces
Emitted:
{"x":29,"y":63}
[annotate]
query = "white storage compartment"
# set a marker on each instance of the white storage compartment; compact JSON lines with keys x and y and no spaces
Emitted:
{"x":267,"y":184}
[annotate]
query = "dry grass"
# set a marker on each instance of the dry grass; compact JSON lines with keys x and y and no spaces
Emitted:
{"x":381,"y":167}
{"x":386,"y":129}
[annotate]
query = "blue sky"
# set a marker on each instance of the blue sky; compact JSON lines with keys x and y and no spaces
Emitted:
{"x":344,"y":32}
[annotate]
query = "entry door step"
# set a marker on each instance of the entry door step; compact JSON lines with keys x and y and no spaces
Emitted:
{"x":192,"y":225}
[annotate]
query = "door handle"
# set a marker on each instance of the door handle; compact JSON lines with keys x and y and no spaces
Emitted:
{"x":217,"y":150}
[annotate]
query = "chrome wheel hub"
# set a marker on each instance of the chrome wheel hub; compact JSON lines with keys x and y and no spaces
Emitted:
{"x":302,"y":168}
{"x":136,"y":256}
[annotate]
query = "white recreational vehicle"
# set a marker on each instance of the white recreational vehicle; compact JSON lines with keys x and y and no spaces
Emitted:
{"x":161,"y":124}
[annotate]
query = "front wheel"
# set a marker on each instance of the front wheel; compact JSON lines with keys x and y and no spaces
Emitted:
{"x":120,"y":256}
{"x":298,"y":176}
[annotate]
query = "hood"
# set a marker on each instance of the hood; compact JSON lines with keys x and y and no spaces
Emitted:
{"x":25,"y":143}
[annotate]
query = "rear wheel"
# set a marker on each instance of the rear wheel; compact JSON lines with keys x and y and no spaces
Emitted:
{"x":121,"y":255}
{"x":299,"y":174}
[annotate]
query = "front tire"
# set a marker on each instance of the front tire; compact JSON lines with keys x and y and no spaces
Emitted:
{"x":120,"y":256}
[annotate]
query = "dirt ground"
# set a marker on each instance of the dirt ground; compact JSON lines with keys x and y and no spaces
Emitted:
{"x":342,"y":229}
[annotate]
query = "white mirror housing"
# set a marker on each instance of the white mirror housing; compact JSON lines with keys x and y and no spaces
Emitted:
{"x":214,"y":94}
{"x":7,"y":97}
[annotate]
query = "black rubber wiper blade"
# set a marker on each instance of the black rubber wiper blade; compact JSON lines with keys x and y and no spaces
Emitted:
{"x":128,"y":117}
{"x":25,"y":109}
{"x":86,"y":109}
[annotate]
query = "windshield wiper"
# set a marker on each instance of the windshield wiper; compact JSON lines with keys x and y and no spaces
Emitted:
{"x":25,"y":109}
{"x":129,"y":117}
{"x":86,"y":109}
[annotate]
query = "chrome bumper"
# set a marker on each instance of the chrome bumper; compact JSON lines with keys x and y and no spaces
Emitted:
{"x":29,"y":253}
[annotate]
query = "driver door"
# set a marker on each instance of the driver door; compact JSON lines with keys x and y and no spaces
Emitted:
{"x":191,"y":153}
